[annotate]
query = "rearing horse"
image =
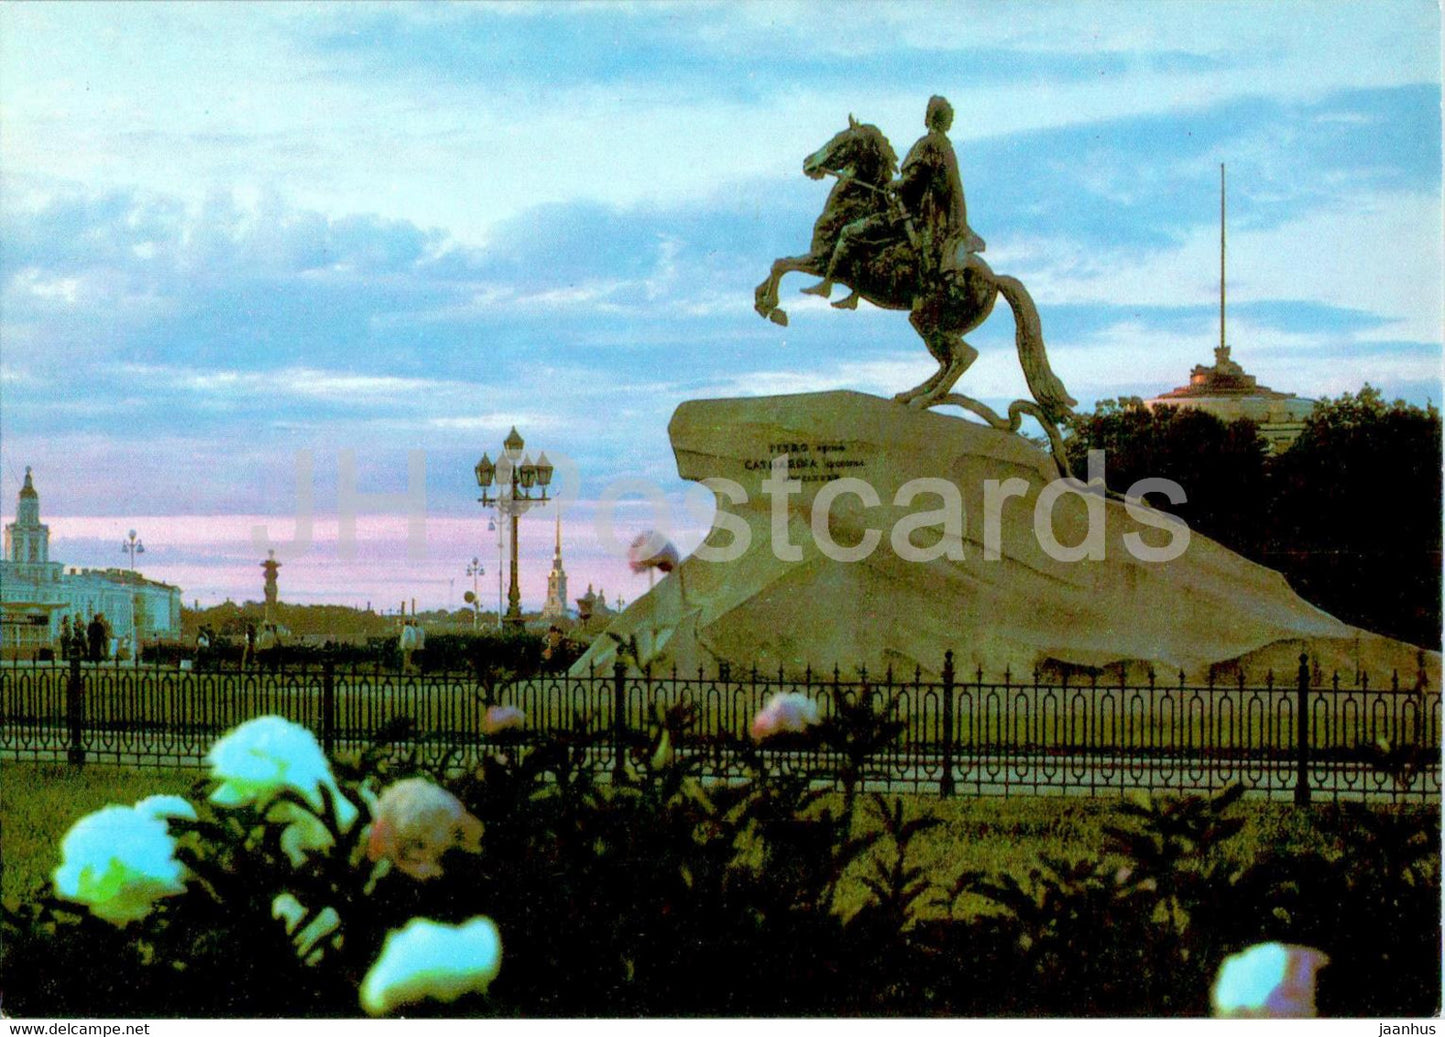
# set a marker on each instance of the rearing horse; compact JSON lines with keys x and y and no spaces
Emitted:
{"x":884,"y":268}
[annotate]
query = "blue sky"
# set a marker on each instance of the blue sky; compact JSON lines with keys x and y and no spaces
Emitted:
{"x":232,"y":232}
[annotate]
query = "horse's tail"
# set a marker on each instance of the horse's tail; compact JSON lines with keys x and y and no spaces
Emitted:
{"x":1043,"y":383}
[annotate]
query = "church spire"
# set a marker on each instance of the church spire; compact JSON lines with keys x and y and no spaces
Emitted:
{"x":556,"y":605}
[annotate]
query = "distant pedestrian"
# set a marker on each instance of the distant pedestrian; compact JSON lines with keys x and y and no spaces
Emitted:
{"x":77,"y":640}
{"x":411,"y":640}
{"x":64,"y":638}
{"x":95,"y":638}
{"x":203,"y":648}
{"x":248,"y":654}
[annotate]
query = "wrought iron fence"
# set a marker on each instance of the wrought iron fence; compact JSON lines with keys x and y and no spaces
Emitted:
{"x":1066,"y":736}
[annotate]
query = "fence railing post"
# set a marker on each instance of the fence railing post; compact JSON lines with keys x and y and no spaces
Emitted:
{"x":619,"y":720}
{"x":75,"y":713}
{"x":1302,"y":735}
{"x":945,"y":786}
{"x":328,"y":706}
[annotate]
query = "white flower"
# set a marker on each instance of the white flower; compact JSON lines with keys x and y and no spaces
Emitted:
{"x":262,"y":758}
{"x":1268,"y":981}
{"x":427,"y":959}
{"x":120,"y":860}
{"x":785,"y":711}
{"x":415,"y":823}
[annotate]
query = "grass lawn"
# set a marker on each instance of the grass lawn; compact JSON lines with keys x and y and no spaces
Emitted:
{"x":38,"y":804}
{"x":1010,"y":835}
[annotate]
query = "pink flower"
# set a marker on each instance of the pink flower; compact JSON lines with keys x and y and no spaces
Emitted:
{"x":785,"y":711}
{"x":415,"y":823}
{"x":651,"y":551}
{"x":502,"y":718}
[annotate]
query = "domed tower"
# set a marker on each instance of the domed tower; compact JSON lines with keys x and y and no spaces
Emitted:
{"x":27,"y":541}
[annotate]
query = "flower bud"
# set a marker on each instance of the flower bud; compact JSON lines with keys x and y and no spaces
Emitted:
{"x":502,"y":718}
{"x":290,"y":912}
{"x":786,"y":711}
{"x":1268,"y":981}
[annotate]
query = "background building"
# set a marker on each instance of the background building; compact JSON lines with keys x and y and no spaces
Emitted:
{"x":37,"y":594}
{"x":1227,"y":392}
{"x":593,"y":613}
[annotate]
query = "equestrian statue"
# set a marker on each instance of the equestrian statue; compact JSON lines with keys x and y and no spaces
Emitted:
{"x":905,"y":244}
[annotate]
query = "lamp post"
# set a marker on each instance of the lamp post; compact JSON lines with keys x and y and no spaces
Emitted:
{"x":516,"y":478}
{"x":474,"y":570}
{"x":501,"y":567}
{"x":132,"y":545}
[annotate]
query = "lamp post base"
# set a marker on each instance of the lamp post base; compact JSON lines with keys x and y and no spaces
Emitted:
{"x":512,"y":624}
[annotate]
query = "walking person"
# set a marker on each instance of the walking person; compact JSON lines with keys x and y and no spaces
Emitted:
{"x":95,"y":638}
{"x":407,"y":644}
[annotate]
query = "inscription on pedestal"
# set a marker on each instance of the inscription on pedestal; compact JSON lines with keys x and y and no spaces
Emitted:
{"x":810,"y":461}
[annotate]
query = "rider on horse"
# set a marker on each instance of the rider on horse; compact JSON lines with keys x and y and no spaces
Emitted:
{"x":932,"y":214}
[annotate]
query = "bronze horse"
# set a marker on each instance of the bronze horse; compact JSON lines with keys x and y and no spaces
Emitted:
{"x":885,"y":271}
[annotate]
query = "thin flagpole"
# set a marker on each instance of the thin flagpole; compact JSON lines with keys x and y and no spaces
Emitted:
{"x":1221,"y":256}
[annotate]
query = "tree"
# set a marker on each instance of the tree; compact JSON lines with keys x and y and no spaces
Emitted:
{"x":1350,"y":513}
{"x":1356,"y":514}
{"x":1221,"y":467}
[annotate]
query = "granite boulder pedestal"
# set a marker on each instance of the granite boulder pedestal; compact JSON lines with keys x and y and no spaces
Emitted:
{"x":1072,"y":583}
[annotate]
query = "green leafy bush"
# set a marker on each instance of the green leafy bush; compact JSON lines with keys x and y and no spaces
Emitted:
{"x":656,"y":895}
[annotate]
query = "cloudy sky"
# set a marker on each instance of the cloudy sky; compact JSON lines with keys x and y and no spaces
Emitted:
{"x":237,"y":241}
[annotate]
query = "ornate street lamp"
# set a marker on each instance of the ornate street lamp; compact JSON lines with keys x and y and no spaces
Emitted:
{"x":501,"y":566}
{"x":520,"y":484}
{"x":133,"y":547}
{"x":474,"y":570}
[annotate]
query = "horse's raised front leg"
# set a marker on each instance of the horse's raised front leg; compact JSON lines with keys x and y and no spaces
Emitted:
{"x":765,"y":297}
